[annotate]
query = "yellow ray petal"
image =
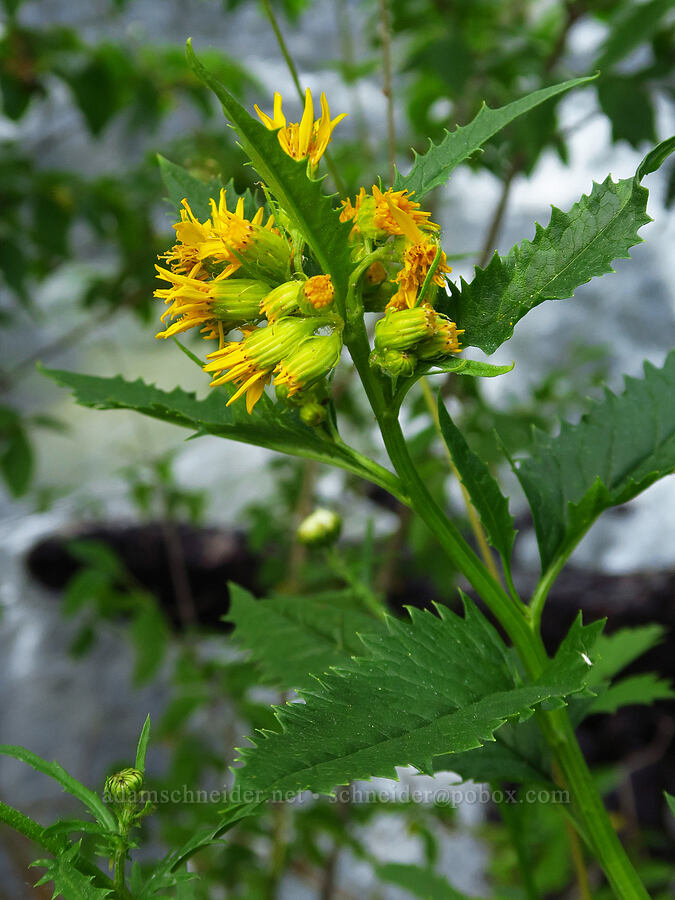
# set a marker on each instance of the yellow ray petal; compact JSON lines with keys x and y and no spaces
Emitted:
{"x":306,"y":124}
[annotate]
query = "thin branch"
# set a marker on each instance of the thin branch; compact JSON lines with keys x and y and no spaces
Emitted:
{"x":387,"y":86}
{"x":285,"y":52}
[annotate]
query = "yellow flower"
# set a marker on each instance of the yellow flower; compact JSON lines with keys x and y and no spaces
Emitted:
{"x":399,"y":200}
{"x":193,"y":302}
{"x":308,"y":138}
{"x":318,"y":291}
{"x":250,"y":362}
{"x":372,"y":213}
{"x":220,"y":245}
{"x":233,"y":236}
{"x":184,"y":257}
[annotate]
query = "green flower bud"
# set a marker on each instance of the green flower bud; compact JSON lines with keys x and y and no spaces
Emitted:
{"x":313,"y":413}
{"x":123,"y":785}
{"x":394,"y":362}
{"x":402,"y":329}
{"x":282,"y":301}
{"x":312,"y":360}
{"x":320,"y":529}
{"x":236,"y":301}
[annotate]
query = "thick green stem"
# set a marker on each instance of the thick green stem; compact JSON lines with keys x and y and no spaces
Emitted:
{"x":513,"y":615}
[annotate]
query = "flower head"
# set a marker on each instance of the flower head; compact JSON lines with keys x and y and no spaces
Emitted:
{"x":318,"y":292}
{"x":313,"y":359}
{"x":307,"y":138}
{"x":195,"y":303}
{"x":249,"y":363}
{"x":373,"y":217}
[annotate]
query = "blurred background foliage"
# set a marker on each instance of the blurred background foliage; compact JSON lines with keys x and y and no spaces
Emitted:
{"x":157,"y":586}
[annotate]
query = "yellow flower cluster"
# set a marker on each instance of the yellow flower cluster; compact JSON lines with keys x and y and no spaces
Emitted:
{"x":231,"y":272}
{"x":245,"y":272}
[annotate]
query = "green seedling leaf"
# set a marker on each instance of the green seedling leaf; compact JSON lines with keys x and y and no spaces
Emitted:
{"x":486,"y":496}
{"x":434,"y":167}
{"x":267,"y":426}
{"x":293,"y":639}
{"x":619,"y":448}
{"x":575,"y":247}
{"x":434,"y":685}
{"x":91,"y":800}
{"x":142,"y":748}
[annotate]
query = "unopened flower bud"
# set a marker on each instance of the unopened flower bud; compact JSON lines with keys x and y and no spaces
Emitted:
{"x":123,"y":785}
{"x":320,"y":529}
{"x":312,"y":360}
{"x":394,"y":362}
{"x":313,"y":413}
{"x":236,"y":301}
{"x":443,"y":342}
{"x":282,"y":301}
{"x":402,"y":329}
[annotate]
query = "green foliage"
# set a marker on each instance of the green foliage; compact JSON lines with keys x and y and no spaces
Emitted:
{"x":267,"y":426}
{"x":407,"y":701}
{"x":142,"y":748}
{"x":69,"y":882}
{"x":631,"y":25}
{"x":619,"y":448}
{"x":294,"y":639}
{"x":572,"y":249}
{"x":491,"y":505}
{"x":16,"y":454}
{"x":182,"y":184}
{"x":420,"y":882}
{"x":635,"y":690}
{"x":301,"y":198}
{"x":618,"y":650}
{"x":435,"y":166}
{"x":91,"y":800}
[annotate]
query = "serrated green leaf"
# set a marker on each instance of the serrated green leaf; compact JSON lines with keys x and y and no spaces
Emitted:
{"x":431,"y":686}
{"x":617,"y":650}
{"x":166,"y":873}
{"x":302,"y":199}
{"x":519,"y":752}
{"x":294,"y":638}
{"x":573,"y":248}
{"x":91,"y":800}
{"x":635,"y":690}
{"x":182,"y":184}
{"x":434,"y":167}
{"x":419,"y":881}
{"x":486,"y":496}
{"x":618,"y":449}
{"x":267,"y":426}
{"x":69,"y":882}
{"x":455,"y":365}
